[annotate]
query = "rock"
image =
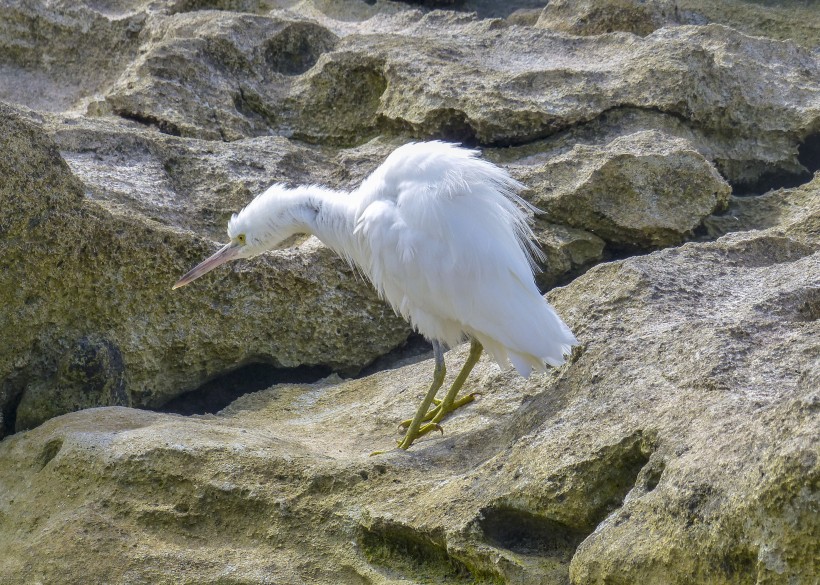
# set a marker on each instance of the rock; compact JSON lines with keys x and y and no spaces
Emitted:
{"x":775,"y":208}
{"x":601,"y":471}
{"x":191,"y":184}
{"x":216,"y":75}
{"x":93,"y":373}
{"x":568,"y":251}
{"x":748,"y":167}
{"x":792,"y":20}
{"x":544,"y":98}
{"x":89,"y":318}
{"x":58,"y":55}
{"x":329,"y":85}
{"x":184,"y":183}
{"x":197,"y":186}
{"x":595,"y":17}
{"x":641,"y":190}
{"x":679,"y":444}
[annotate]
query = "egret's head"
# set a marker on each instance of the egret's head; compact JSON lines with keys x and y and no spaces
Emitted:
{"x":269,"y":222}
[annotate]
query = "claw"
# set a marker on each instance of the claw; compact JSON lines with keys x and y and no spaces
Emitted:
{"x":442,"y":407}
{"x":433,"y":412}
{"x":407,"y":441}
{"x":430,"y":427}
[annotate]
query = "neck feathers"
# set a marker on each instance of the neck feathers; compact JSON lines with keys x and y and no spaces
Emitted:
{"x":330,"y":216}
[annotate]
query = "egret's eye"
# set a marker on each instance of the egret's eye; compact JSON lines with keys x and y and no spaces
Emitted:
{"x":241,"y":239}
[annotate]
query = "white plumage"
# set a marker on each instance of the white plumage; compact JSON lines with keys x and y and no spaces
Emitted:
{"x":444,"y":238}
{"x":448,"y":244}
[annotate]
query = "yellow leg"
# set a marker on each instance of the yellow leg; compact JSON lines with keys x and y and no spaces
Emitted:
{"x":449,"y":404}
{"x":438,"y":380}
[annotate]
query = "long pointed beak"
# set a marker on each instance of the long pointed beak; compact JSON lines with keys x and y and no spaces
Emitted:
{"x":226,"y":253}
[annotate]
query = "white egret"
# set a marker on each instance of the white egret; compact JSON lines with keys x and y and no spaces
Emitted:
{"x":445,"y":239}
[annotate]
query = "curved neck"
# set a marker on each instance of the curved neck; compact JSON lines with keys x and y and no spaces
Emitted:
{"x":331,"y":217}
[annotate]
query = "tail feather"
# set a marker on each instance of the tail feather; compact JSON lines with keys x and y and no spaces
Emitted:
{"x":525,"y":363}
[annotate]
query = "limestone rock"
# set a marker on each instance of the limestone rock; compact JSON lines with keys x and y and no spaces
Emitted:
{"x":197,"y":186}
{"x":59,"y":54}
{"x":212,"y":75}
{"x":791,"y":20}
{"x":89,"y":317}
{"x":190,"y":184}
{"x":640,"y":190}
{"x":568,"y":251}
{"x":679,"y":444}
{"x":591,"y":17}
{"x":185,"y":183}
{"x":604,"y":470}
{"x":513,"y":84}
{"x":775,"y":208}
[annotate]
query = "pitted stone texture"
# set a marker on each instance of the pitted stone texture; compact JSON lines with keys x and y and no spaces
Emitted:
{"x":89,"y":317}
{"x":678,"y":445}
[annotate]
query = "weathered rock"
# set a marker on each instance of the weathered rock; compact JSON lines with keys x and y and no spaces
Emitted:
{"x":602,"y":471}
{"x":198,"y":185}
{"x":89,"y":317}
{"x":216,"y":75}
{"x":790,"y":20}
{"x":748,"y":167}
{"x":590,"y":17}
{"x":194,"y":185}
{"x":781,"y":207}
{"x":678,"y":446}
{"x":57,"y":55}
{"x":567,"y":250}
{"x":641,"y":190}
{"x":514,"y":84}
{"x":191,"y":184}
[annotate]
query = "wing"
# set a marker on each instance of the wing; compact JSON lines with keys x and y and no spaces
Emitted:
{"x":451,"y":250}
{"x":419,"y":177}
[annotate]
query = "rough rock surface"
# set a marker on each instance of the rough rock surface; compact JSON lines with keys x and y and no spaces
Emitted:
{"x":640,"y":190}
{"x":793,"y":20}
{"x":89,"y":318}
{"x":513,"y":84}
{"x":679,"y":445}
{"x":591,"y":17}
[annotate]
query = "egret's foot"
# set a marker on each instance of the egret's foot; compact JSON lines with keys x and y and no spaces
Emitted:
{"x":434,"y":412}
{"x":430,"y":427}
{"x":405,"y":424}
{"x":409,"y":438}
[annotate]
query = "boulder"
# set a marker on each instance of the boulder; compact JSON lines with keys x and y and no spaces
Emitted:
{"x":217,"y":75}
{"x":640,"y":190}
{"x":198,"y":185}
{"x":515,"y":84}
{"x":675,"y":164}
{"x":590,"y":17}
{"x":791,"y":20}
{"x":89,"y":317}
{"x":58,"y":55}
{"x":678,"y":445}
